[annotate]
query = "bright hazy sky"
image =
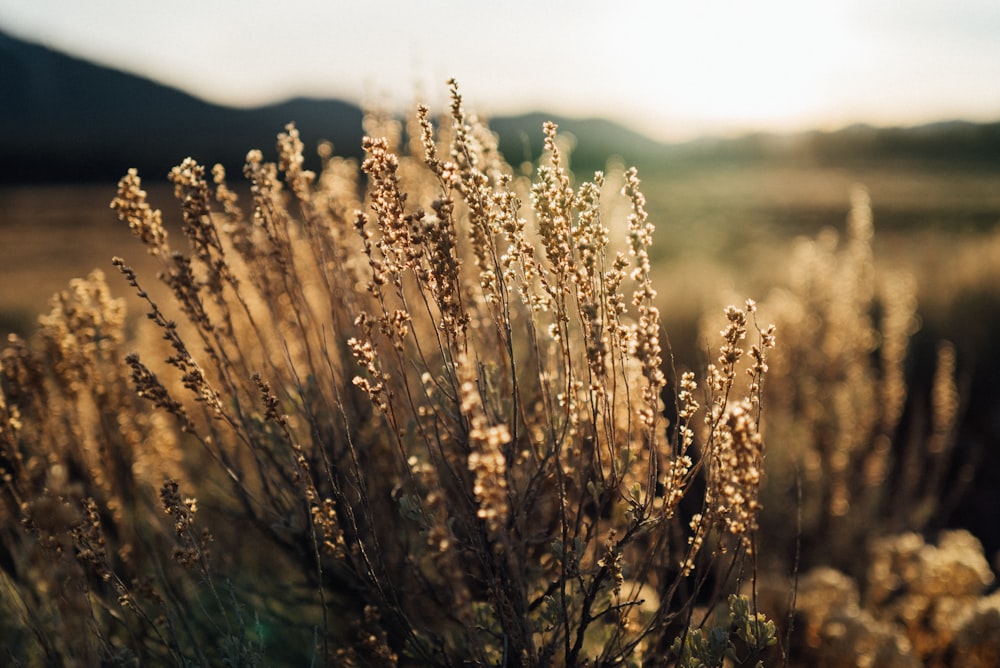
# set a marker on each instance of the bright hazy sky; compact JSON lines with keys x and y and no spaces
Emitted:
{"x":672,"y":68}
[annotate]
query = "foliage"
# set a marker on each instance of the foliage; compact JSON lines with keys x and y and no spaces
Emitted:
{"x":839,"y":396}
{"x":918,"y":604}
{"x":716,"y":645}
{"x":393,"y":415}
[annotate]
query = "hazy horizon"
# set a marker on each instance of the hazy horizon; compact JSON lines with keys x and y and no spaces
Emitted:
{"x":672,"y":71}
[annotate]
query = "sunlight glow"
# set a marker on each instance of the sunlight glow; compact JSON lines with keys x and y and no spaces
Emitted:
{"x":676,"y":69}
{"x":756,"y":63}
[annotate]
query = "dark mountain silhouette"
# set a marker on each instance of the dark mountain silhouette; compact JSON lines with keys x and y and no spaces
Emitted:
{"x":64,"y":119}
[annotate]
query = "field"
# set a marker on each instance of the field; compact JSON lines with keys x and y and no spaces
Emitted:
{"x":940,"y":224}
{"x":887,"y":428}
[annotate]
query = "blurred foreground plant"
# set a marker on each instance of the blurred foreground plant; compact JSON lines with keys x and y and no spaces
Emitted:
{"x":917,"y":605}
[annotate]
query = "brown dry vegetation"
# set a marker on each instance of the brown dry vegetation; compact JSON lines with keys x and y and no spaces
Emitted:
{"x":422,"y":410}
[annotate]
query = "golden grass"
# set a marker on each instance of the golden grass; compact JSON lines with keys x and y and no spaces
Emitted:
{"x":436,"y":406}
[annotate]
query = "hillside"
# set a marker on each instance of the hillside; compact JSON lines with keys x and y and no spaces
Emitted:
{"x":64,"y":119}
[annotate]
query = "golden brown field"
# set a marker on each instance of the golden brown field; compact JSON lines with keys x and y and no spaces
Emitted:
{"x":939,"y":224}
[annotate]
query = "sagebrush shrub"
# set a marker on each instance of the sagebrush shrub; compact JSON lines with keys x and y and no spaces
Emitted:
{"x":419,"y":415}
{"x":837,"y":401}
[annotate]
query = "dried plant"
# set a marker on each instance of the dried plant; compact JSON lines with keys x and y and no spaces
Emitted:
{"x":838,"y":401}
{"x":423,"y":404}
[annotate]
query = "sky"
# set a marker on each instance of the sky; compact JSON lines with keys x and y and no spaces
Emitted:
{"x":673,"y":69}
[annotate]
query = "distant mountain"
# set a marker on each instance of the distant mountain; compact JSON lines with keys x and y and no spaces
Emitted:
{"x":67,"y":119}
{"x":64,"y":119}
